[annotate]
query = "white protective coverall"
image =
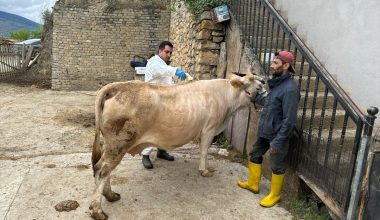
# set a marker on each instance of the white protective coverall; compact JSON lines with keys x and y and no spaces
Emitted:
{"x":157,"y":71}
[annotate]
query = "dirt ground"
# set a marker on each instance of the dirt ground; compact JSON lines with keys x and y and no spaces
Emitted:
{"x":45,"y":159}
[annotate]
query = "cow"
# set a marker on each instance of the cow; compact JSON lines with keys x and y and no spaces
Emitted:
{"x":133,"y":115}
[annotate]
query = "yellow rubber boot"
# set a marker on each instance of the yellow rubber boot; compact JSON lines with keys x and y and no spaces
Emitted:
{"x":275,"y":190}
{"x":254,"y":175}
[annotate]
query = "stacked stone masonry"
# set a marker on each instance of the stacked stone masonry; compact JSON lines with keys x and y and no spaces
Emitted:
{"x":196,"y":41}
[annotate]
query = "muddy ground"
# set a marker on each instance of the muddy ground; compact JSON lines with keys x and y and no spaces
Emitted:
{"x":45,"y":159}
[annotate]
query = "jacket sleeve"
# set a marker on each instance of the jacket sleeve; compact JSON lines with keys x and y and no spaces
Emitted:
{"x":289,"y":108}
{"x":156,"y":69}
{"x":259,"y":98}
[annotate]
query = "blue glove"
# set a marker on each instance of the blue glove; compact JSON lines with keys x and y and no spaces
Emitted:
{"x":181,"y":75}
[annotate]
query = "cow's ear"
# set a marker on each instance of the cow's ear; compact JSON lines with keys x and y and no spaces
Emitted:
{"x":237,"y":83}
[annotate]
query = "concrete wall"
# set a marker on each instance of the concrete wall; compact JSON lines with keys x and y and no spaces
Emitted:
{"x":344,"y":36}
{"x":241,"y":59}
{"x":93,"y":46}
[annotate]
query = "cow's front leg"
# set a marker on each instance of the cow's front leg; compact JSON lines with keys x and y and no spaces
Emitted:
{"x":203,"y":163}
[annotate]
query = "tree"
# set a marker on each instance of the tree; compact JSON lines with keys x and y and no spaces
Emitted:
{"x":24,"y":34}
{"x":36,"y":33}
{"x":20,"y":35}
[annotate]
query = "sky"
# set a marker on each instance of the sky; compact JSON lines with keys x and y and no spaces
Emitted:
{"x":30,"y":9}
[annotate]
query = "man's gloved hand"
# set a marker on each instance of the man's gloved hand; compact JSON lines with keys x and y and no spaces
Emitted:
{"x":181,"y":75}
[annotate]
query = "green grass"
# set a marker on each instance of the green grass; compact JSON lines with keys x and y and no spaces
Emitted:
{"x":222,"y":142}
{"x":301,"y":209}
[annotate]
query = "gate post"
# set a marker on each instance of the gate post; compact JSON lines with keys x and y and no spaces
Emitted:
{"x":361,"y":163}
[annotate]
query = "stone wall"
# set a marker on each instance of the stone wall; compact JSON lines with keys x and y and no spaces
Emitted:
{"x":93,"y":42}
{"x":197,"y":42}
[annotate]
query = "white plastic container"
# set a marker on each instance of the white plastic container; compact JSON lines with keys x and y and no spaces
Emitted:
{"x":140,"y":73}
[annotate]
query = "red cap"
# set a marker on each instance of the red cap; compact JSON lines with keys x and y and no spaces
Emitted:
{"x":286,"y":57}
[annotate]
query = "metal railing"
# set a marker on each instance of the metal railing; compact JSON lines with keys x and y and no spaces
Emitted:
{"x":330,"y":122}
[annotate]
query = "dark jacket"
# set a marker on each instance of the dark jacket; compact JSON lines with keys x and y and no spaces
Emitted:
{"x":279,"y":113}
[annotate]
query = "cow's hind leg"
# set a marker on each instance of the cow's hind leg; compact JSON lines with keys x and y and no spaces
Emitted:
{"x":103,"y":170}
{"x":204,"y":144}
{"x":95,"y":206}
{"x":110,"y":195}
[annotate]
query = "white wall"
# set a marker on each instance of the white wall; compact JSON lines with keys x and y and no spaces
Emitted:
{"x":345,"y":36}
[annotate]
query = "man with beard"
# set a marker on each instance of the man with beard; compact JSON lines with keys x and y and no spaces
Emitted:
{"x":277,"y":120}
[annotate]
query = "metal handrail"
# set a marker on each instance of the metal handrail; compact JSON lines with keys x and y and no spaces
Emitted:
{"x":346,"y":102}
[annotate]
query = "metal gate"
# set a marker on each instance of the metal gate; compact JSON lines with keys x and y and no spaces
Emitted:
{"x":16,"y":58}
{"x":330,"y":123}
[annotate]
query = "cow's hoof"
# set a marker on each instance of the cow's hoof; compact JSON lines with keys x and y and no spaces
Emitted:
{"x":112,"y":197}
{"x":97,"y":213}
{"x":206,"y":173}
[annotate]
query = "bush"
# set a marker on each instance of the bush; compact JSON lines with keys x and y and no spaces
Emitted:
{"x":222,"y":142}
{"x":196,"y":7}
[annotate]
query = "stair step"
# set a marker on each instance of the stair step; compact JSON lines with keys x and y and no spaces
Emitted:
{"x":273,"y":50}
{"x":305,"y":68}
{"x":338,"y":121}
{"x":318,"y":101}
{"x":269,"y":42}
{"x":304,"y":80}
{"x":349,"y":139}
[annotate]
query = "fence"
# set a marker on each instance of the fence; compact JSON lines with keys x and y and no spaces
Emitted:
{"x":330,"y":123}
{"x":16,"y":58}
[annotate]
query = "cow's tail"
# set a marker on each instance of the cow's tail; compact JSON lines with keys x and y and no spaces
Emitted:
{"x":96,"y":148}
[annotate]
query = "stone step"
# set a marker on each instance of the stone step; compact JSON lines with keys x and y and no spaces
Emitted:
{"x":338,"y":121}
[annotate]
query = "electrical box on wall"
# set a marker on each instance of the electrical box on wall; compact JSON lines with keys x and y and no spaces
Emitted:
{"x":221,"y":13}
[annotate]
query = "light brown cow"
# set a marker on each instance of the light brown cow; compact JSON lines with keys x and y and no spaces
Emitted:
{"x":133,"y":115}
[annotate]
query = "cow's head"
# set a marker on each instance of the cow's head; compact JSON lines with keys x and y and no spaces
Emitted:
{"x":247,"y":82}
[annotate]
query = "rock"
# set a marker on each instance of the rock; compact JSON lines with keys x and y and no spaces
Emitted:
{"x":206,"y":15}
{"x":223,"y":152}
{"x":212,"y":150}
{"x":208,"y":57}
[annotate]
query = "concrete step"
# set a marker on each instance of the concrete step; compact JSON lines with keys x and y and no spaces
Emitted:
{"x":305,"y":68}
{"x":318,"y":102}
{"x":270,"y":42}
{"x":312,"y":85}
{"x":269,"y":54}
{"x":338,"y":121}
{"x":335,"y":146}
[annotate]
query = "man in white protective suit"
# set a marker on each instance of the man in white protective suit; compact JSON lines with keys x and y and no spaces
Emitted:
{"x":158,"y":70}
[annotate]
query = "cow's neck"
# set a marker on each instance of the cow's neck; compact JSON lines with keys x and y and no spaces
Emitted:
{"x":236,"y":100}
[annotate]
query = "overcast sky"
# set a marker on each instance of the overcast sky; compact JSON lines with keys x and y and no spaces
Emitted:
{"x":30,"y":9}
